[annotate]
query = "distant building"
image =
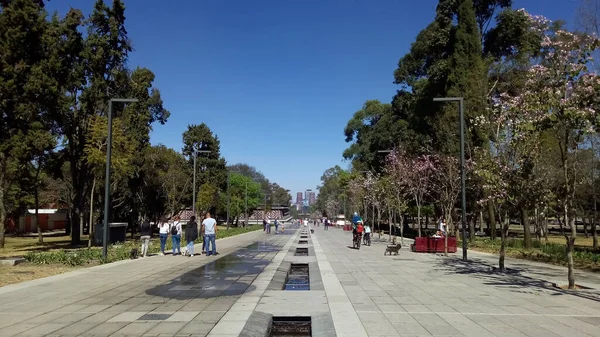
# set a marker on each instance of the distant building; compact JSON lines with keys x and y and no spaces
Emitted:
{"x":298,"y":198}
{"x":312,"y":198}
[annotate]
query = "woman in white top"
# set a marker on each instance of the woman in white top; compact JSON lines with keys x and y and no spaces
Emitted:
{"x":367,"y":237}
{"x":442,"y":227}
{"x":163,"y":232}
{"x":175,"y":230}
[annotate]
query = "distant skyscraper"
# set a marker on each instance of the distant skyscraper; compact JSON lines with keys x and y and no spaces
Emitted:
{"x":312,"y":198}
{"x":299,"y":201}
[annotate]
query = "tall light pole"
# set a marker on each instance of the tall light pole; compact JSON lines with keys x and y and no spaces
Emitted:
{"x":461,"y":117}
{"x":107,"y":180}
{"x":194,"y":182}
{"x":228,"y":198}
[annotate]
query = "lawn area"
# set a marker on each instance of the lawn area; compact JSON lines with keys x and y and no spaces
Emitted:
{"x":55,"y":255}
{"x":552,"y":252}
{"x":21,"y":245}
{"x":29,"y":271}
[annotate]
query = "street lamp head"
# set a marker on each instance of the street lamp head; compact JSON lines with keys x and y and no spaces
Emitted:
{"x":447,"y":99}
{"x":385,"y":151}
{"x":124,"y":100}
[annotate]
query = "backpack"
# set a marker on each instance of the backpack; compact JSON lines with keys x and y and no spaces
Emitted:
{"x":174,"y":229}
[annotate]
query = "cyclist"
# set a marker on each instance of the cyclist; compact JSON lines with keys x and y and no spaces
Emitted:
{"x":359,"y":231}
{"x":367,"y":236}
{"x":355,"y":220}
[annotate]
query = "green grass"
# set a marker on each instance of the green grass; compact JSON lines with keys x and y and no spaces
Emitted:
{"x":117,"y":252}
{"x":549,"y":252}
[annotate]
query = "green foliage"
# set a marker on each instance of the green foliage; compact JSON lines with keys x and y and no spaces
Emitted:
{"x":208,"y":199}
{"x":467,"y":78}
{"x":241,"y":186}
{"x":95,"y":148}
{"x":58,"y":74}
{"x":541,"y":251}
{"x":332,"y":195}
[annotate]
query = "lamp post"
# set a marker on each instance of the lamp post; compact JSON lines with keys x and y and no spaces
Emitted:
{"x":107,"y":180}
{"x":194,"y":182}
{"x":461,"y":115}
{"x":228,"y":198}
{"x":246,"y":203}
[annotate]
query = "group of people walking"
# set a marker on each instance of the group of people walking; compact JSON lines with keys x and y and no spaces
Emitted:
{"x":173,"y":228}
{"x":267,"y":226}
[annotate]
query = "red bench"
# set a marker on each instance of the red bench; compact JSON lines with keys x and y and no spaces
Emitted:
{"x":433,"y":245}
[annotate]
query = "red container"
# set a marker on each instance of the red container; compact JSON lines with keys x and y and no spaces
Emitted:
{"x":433,"y":245}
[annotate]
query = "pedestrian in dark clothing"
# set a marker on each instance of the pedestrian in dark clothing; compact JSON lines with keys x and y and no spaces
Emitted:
{"x":191,"y":234}
{"x":145,"y":234}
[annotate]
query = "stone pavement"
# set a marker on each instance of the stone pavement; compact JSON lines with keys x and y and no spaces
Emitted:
{"x":156,"y":296}
{"x":352,"y":293}
{"x":416,"y":294}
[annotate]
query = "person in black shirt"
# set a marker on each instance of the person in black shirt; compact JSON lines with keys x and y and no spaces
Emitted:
{"x":191,"y":234}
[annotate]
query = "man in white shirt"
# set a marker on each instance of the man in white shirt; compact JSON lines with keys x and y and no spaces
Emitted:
{"x":209,"y":228}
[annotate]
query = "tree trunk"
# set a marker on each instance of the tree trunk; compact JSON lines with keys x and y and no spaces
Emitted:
{"x":503,"y":235}
{"x":390,"y":223}
{"x":481,"y":221}
{"x":594,"y":234}
{"x":585,"y":228}
{"x":492,"y":219}
{"x":570,"y":265}
{"x":419,"y":219}
{"x":2,"y":202}
{"x":446,"y":239}
{"x":545,"y":227}
{"x":36,"y":196}
{"x":402,"y":229}
{"x":91,"y":231}
{"x":526,"y":229}
{"x":472,"y":228}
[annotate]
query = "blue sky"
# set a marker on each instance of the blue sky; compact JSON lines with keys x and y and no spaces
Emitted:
{"x":277,"y":80}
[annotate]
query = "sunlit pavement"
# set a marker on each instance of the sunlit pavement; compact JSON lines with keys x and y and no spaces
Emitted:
{"x":417,"y":294}
{"x":352,"y":293}
{"x":156,"y":296}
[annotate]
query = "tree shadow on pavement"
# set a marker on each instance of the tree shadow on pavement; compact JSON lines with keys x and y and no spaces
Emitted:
{"x":512,"y":279}
{"x":230,"y":275}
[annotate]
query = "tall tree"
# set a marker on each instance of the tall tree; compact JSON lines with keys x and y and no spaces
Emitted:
{"x":96,"y":71}
{"x":28,"y":90}
{"x":211,"y":167}
{"x":467,"y":78}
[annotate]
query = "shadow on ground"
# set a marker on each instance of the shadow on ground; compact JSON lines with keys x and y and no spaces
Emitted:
{"x":229,"y":275}
{"x":513,"y":278}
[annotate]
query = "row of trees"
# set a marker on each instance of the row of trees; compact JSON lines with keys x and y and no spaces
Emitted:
{"x":58,"y":75}
{"x":531,"y":100}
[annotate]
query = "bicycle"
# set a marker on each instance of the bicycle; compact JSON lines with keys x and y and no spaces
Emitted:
{"x":356,"y":241}
{"x":367,"y":239}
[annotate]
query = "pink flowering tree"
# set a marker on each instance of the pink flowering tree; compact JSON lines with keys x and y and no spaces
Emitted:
{"x":415,"y":177}
{"x":397,"y":195}
{"x":560,"y":96}
{"x":371,"y":195}
{"x":357,"y":194}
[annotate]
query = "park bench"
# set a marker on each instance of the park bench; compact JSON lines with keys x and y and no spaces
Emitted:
{"x":433,"y":245}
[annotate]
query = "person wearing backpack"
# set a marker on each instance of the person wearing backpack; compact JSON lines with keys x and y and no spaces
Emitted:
{"x":176,"y":237}
{"x":145,"y":234}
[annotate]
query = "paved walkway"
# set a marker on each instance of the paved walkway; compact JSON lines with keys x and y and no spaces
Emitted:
{"x":362,"y":293}
{"x":416,"y":294}
{"x":156,"y":296}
